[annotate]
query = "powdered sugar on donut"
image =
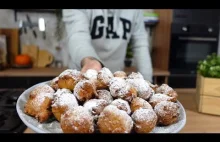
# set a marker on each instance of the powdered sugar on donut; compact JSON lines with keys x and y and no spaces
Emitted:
{"x":76,"y":75}
{"x":42,"y":89}
{"x":164,"y":89}
{"x":156,"y":98}
{"x":118,"y":87}
{"x":135,"y":75}
{"x":62,"y":91}
{"x":144,"y":115}
{"x":120,"y":74}
{"x":64,"y":98}
{"x":104,"y":94}
{"x":91,"y":74}
{"x":39,"y":99}
{"x":122,"y":105}
{"x":142,"y":87}
{"x":167,"y":108}
{"x":122,"y":115}
{"x":105,"y":75}
{"x":81,"y":116}
{"x":95,"y":106}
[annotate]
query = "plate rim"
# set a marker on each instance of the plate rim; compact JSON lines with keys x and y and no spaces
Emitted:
{"x":38,"y":130}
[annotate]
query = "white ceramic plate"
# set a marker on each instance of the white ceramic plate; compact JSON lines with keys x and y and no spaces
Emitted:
{"x":54,"y":127}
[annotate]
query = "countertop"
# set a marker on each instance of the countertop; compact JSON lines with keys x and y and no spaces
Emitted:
{"x":35,"y":72}
{"x":196,"y":122}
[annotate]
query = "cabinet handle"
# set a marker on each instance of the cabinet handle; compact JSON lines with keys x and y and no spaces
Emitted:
{"x":210,"y":30}
{"x":184,"y":29}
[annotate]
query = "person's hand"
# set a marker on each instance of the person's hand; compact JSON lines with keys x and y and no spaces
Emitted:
{"x":90,"y":63}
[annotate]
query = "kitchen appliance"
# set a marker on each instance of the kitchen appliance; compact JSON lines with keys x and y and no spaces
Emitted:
{"x":190,"y":43}
{"x":10,"y":122}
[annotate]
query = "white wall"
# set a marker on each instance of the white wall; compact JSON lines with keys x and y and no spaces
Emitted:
{"x":7,"y":21}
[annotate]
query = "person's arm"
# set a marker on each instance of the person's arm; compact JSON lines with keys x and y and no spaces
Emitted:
{"x":79,"y":39}
{"x":140,"y":45}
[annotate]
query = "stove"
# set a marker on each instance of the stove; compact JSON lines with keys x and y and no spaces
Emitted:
{"x":10,"y":122}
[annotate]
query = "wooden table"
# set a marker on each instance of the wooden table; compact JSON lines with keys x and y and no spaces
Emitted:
{"x":196,"y":122}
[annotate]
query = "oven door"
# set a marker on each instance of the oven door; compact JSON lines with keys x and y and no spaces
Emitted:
{"x":186,"y":51}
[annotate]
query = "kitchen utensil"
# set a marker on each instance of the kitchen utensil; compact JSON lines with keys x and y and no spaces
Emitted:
{"x":31,"y":26}
{"x":44,"y":58}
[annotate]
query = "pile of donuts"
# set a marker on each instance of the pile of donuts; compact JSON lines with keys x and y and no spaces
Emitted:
{"x":103,"y":102}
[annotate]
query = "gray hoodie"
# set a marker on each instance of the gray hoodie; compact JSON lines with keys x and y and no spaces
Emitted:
{"x":105,"y":34}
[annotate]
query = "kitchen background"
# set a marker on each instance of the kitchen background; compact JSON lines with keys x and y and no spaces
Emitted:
{"x":179,"y":38}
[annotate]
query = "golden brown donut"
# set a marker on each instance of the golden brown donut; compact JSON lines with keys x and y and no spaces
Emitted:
{"x":63,"y":100}
{"x":153,"y":86}
{"x":122,"y":105}
{"x":69,"y":78}
{"x":167,"y":112}
{"x":139,"y":103}
{"x":119,"y":88}
{"x":114,"y":120}
{"x":166,"y":89}
{"x":95,"y":106}
{"x":54,"y":83}
{"x":121,"y":74}
{"x":105,"y":95}
{"x":84,"y":90}
{"x":103,"y":78}
{"x":156,"y":98}
{"x":144,"y":91}
{"x":144,"y":120}
{"x":39,"y":103}
{"x":90,"y":74}
{"x":77,"y":120}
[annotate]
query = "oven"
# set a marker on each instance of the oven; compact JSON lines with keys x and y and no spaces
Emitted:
{"x":190,"y":43}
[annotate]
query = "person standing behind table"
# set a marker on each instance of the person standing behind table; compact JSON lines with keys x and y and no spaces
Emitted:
{"x":99,"y":37}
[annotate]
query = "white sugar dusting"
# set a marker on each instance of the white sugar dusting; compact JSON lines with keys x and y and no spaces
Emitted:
{"x":171,"y":108}
{"x":118,"y":87}
{"x":104,"y":94}
{"x":80,"y":115}
{"x":122,"y":115}
{"x":120,"y":74}
{"x":95,"y":106}
{"x":164,"y":89}
{"x":142,"y":87}
{"x":43,"y":88}
{"x":105,"y":75}
{"x":142,"y":115}
{"x":122,"y":105}
{"x":39,"y":99}
{"x":90,"y":74}
{"x":141,"y":103}
{"x":135,"y":75}
{"x":156,"y":98}
{"x":64,"y":99}
{"x":71,"y":73}
{"x":62,"y":91}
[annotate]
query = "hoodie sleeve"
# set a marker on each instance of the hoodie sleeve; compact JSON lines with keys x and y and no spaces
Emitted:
{"x":78,"y":35}
{"x":140,"y":45}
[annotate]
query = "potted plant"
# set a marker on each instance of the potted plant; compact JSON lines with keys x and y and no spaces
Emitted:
{"x":208,"y":85}
{"x":129,"y":56}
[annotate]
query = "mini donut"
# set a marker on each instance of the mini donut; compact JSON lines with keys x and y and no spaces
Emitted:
{"x":135,"y":75}
{"x":145,"y":120}
{"x":39,"y":103}
{"x":144,"y":91}
{"x":90,"y":74}
{"x":122,"y":105}
{"x":153,"y":86}
{"x":139,"y":103}
{"x":121,"y":74}
{"x":166,"y":89}
{"x":69,"y":78}
{"x":119,"y":88}
{"x":105,"y":95}
{"x":95,"y":106}
{"x":103,"y":78}
{"x":167,"y":112}
{"x":77,"y":120}
{"x":54,"y":83}
{"x":114,"y":120}
{"x":84,"y":90}
{"x":63,"y":100}
{"x":156,"y":98}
